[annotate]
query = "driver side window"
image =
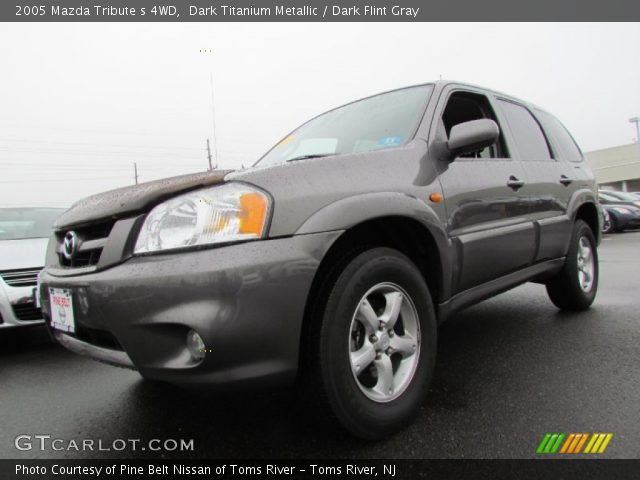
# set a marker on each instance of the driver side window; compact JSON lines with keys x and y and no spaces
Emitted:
{"x":466,"y":106}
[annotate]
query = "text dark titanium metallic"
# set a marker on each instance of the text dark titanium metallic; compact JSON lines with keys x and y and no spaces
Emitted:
{"x":334,"y":258}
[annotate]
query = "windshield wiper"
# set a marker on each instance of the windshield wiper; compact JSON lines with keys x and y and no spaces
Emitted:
{"x":313,"y":155}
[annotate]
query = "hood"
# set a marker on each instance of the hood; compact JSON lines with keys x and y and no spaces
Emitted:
{"x":25,"y":253}
{"x":134,"y":199}
{"x":619,"y":204}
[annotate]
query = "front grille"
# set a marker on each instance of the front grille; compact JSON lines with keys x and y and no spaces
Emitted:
{"x":99,"y":338}
{"x":27,"y":311}
{"x":23,"y":277}
{"x":92,"y":240}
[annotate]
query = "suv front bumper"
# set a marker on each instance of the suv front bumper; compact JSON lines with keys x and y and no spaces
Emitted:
{"x":246,"y":301}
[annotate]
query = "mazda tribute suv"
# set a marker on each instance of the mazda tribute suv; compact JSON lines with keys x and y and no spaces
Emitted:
{"x":330,"y":263}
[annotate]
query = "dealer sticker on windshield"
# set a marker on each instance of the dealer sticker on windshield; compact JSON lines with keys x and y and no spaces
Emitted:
{"x":62,"y":310}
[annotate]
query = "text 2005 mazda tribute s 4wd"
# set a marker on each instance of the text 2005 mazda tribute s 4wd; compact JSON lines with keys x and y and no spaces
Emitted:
{"x":334,"y":258}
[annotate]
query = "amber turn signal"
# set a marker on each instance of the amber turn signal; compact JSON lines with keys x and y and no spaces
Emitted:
{"x":253,"y":213}
{"x":436,"y":197}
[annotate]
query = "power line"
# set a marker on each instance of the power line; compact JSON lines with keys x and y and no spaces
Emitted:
{"x":58,"y":180}
{"x":81,"y":166}
{"x":103,"y":153}
{"x":91,"y":144}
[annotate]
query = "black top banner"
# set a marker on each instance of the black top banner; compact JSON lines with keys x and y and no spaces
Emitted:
{"x":317,"y":11}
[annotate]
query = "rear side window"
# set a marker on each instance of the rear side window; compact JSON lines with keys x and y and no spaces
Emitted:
{"x":560,"y":136}
{"x":530,"y":141}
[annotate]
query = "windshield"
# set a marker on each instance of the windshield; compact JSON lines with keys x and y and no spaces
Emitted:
{"x":382,"y":121}
{"x":20,"y":223}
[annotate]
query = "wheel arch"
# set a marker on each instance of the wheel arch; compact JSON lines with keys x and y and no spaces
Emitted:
{"x":405,"y":234}
{"x":584,"y":206}
{"x":588,"y":212}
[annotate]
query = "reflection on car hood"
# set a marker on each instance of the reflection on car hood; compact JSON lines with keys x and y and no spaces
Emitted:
{"x":627,"y":205}
{"x":25,"y":253}
{"x":133,"y":199}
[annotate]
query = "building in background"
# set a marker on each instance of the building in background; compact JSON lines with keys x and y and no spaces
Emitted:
{"x":617,"y":167}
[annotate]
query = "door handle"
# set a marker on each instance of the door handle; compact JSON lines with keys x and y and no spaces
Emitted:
{"x":566,"y":181}
{"x":514,"y":183}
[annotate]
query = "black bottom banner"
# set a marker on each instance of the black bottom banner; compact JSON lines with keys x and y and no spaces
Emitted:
{"x":316,"y":469}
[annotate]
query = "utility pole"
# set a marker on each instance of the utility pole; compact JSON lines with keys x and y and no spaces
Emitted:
{"x":636,"y":120}
{"x":209,"y":155}
{"x":135,"y":171}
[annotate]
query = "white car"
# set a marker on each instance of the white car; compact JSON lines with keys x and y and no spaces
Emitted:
{"x":24,"y":234}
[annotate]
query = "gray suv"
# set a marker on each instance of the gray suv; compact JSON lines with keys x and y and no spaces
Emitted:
{"x":331,"y":262}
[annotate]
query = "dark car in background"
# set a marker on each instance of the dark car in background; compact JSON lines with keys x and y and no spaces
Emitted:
{"x":613,"y":196}
{"x":332,"y":261}
{"x":623,"y":211}
{"x":621,"y":217}
{"x":24,"y":233}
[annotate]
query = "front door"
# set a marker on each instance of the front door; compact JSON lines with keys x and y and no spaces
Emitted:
{"x":487,"y":216}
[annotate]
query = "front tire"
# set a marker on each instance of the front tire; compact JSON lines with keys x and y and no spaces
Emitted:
{"x":574,"y":287}
{"x":610,"y":226}
{"x":373,"y":345}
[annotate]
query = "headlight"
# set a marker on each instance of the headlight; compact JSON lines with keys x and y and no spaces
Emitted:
{"x":226,"y":213}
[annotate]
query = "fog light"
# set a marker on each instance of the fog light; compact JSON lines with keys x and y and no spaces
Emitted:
{"x":195,"y":344}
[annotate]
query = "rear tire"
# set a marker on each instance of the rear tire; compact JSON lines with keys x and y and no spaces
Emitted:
{"x":373,"y":344}
{"x":574,"y":287}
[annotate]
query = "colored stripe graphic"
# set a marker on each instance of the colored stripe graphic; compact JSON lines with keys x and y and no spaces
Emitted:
{"x":598,"y":443}
{"x":567,"y":443}
{"x":550,"y":443}
{"x":594,"y":437}
{"x":604,"y":445}
{"x":556,"y":446}
{"x":573,"y":443}
{"x":543,"y":443}
{"x":581,"y":443}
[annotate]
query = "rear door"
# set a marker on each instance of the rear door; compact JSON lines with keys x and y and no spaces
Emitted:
{"x":551,"y":179}
{"x":486,"y":215}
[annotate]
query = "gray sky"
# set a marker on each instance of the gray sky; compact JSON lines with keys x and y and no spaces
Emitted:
{"x":79,"y":103}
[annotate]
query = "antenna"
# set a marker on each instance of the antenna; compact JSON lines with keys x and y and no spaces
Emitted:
{"x":135,"y":171}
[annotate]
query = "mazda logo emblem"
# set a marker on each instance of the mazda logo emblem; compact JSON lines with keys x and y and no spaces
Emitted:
{"x":70,"y":245}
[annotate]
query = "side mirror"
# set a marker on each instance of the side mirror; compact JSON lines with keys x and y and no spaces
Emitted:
{"x":472,"y":136}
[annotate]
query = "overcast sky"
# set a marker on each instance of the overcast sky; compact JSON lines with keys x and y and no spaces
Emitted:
{"x":79,"y":103}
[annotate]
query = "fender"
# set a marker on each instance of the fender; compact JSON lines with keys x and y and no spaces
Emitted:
{"x":555,"y":242}
{"x":581,"y":197}
{"x":348,"y":212}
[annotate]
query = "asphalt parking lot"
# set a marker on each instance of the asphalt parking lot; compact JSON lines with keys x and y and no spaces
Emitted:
{"x":509,"y":370}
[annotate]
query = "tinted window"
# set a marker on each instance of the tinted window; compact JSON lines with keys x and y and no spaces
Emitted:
{"x":20,"y":223}
{"x":382,"y":121}
{"x":560,"y":137}
{"x":466,"y":106}
{"x":530,"y":141}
